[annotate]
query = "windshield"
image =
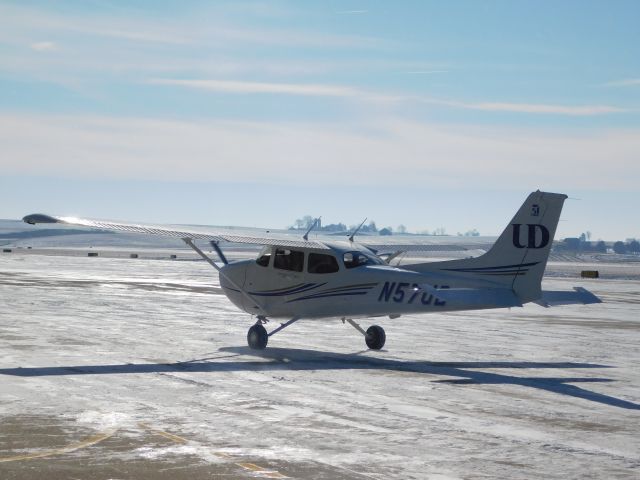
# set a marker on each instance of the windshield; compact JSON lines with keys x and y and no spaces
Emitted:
{"x":358,"y":259}
{"x":264,"y":257}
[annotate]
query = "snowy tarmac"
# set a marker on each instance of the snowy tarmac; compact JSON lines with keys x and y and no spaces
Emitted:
{"x":136,"y":369}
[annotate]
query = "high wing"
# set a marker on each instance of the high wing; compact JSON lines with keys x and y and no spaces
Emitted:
{"x":214,"y":234}
{"x":254,"y":236}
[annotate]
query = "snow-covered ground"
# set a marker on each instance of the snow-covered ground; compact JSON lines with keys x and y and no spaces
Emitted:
{"x":147,"y":360}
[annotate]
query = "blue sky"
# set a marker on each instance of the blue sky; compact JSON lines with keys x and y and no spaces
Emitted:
{"x":427,"y":114}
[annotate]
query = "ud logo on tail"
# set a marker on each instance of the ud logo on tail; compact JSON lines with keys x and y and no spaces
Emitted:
{"x":531,"y":236}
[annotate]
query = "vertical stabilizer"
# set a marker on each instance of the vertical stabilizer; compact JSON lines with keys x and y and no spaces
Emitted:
{"x":525,"y":244}
{"x":518,"y":258}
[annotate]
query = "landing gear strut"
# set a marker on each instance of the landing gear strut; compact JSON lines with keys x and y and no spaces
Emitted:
{"x":374,"y":336}
{"x":257,"y":337}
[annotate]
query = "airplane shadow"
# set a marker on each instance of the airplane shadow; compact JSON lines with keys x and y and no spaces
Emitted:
{"x":283,"y":359}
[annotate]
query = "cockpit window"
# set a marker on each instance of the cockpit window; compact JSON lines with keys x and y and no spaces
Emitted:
{"x":286,"y":259}
{"x":264,"y":257}
{"x":357,"y":259}
{"x":322,"y":263}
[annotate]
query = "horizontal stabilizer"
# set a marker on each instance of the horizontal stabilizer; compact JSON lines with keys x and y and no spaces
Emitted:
{"x":580,"y":296}
{"x":476,"y":297}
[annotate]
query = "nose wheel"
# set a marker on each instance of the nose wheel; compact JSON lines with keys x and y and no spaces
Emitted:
{"x":257,"y":337}
{"x":375,"y":337}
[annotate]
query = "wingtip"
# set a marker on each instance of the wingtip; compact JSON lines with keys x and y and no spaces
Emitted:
{"x":35,"y":218}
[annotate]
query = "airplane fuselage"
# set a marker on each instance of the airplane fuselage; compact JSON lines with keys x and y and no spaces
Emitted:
{"x":370,"y":289}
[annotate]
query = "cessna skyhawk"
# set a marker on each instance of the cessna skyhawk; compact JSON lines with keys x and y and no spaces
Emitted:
{"x":296,"y":278}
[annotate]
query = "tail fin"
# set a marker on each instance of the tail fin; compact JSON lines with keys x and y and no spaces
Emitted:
{"x":525,"y":244}
{"x":519,"y":257}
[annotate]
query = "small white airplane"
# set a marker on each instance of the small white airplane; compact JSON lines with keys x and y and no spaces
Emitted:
{"x":296,"y":278}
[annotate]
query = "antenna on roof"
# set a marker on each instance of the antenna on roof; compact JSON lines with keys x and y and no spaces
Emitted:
{"x":357,"y":230}
{"x":315,"y":222}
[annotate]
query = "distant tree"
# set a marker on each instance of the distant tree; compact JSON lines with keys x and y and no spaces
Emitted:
{"x":334,"y":227}
{"x":439,"y":231}
{"x":307,"y":221}
{"x":367,"y":228}
{"x":633,"y":246}
{"x":572,"y":243}
{"x":386,"y":231}
{"x":601,"y":247}
{"x":619,"y":247}
{"x":401,"y":229}
{"x":304,"y":222}
{"x":583,"y":237}
{"x":588,"y":235}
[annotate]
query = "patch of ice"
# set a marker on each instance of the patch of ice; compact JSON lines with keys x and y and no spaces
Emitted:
{"x":200,"y":451}
{"x":103,"y":420}
{"x":152,"y":453}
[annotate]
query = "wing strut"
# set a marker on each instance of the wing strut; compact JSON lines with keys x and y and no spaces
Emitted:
{"x":218,"y":250}
{"x":189,"y":242}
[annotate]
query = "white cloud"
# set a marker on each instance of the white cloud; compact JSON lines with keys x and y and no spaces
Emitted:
{"x":298,"y":89}
{"x":629,"y":82}
{"x":541,"y":108}
{"x":124,"y":42}
{"x":128,"y":46}
{"x":43,"y":46}
{"x":236,"y":86}
{"x":374,"y":153}
{"x":425,"y":72}
{"x":244,"y":87}
{"x":160,"y":35}
{"x":202,"y":28}
{"x":352,"y":12}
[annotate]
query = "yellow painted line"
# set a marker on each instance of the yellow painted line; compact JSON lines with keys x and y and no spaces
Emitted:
{"x":261,"y":470}
{"x":60,"y":451}
{"x":247,"y":466}
{"x":170,"y":436}
{"x":274,"y":475}
{"x":250,"y":466}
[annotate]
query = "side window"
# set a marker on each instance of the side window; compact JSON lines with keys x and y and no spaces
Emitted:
{"x":286,"y":259}
{"x":321,"y":263}
{"x":264,"y":257}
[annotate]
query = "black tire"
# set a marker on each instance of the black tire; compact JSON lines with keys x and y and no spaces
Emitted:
{"x":257,"y":337}
{"x":375,"y":337}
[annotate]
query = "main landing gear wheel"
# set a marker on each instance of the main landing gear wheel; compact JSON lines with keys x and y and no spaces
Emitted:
{"x":375,"y":337}
{"x":257,"y":337}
